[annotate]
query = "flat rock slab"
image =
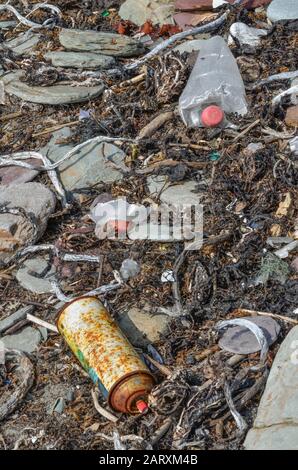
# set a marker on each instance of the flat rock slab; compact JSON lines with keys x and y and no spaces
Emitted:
{"x":240,"y":340}
{"x":141,"y":328}
{"x":27,"y":340}
{"x":276,"y":424}
{"x":52,"y":95}
{"x":26,"y":278}
{"x":104,"y":43}
{"x":90,"y":165}
{"x":15,"y":317}
{"x":17,"y":175}
{"x":16,"y":230}
{"x":23,"y":44}
{"x":280,"y":10}
{"x":139,"y":11}
{"x":175,"y":194}
{"x":80,"y":60}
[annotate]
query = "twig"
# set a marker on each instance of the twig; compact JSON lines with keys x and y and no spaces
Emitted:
{"x":163,"y":369}
{"x":43,"y":323}
{"x":177,"y":37}
{"x":55,"y":128}
{"x":106,"y":414}
{"x":162,"y":431}
{"x":278,"y":76}
{"x":266,"y":314}
{"x":251,"y":126}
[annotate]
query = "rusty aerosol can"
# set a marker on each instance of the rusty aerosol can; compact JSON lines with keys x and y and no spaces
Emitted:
{"x":105,"y":354}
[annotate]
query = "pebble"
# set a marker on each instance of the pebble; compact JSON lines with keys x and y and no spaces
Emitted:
{"x":17,"y":175}
{"x":141,"y":327}
{"x":240,"y":340}
{"x":292,"y":116}
{"x":104,"y":43}
{"x":246,"y":35}
{"x":27,"y":340}
{"x":178,"y":193}
{"x":90,"y":165}
{"x":140,"y":11}
{"x":15,"y":317}
{"x":275,"y":427}
{"x":279,"y":10}
{"x":24,"y":44}
{"x":80,"y":60}
{"x":32,"y":283}
{"x":16,"y":230}
{"x":52,"y":95}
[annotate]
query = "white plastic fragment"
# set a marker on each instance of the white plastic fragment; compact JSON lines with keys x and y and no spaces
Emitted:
{"x":290,"y":91}
{"x":255,"y":329}
{"x":168,"y":276}
{"x":129,"y":269}
{"x":285,"y":250}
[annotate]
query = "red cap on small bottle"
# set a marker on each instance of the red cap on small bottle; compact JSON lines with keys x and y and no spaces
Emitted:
{"x":142,"y":406}
{"x":212,"y":116}
{"x":120,"y":226}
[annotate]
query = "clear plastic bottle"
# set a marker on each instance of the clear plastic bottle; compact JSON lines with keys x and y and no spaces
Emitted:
{"x":215,"y":87}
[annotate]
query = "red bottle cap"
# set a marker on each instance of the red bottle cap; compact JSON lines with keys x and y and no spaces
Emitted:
{"x":212,"y":116}
{"x":142,"y":406}
{"x":119,"y":226}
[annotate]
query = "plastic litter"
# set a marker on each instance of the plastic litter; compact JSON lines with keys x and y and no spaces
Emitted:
{"x":215,"y":88}
{"x":129,"y":269}
{"x":106,"y":355}
{"x":255,"y":330}
{"x":116,"y":216}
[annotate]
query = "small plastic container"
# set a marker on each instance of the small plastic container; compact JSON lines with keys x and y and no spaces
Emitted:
{"x":215,"y":88}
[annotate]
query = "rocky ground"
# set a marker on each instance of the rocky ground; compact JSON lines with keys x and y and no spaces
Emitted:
{"x":56,"y":92}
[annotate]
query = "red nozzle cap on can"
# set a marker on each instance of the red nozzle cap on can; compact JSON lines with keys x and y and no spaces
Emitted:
{"x":142,"y":406}
{"x":212,"y":116}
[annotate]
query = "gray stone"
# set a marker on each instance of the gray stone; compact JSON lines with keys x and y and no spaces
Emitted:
{"x":17,"y":175}
{"x":32,"y":283}
{"x":246,"y":35}
{"x":90,"y":165}
{"x":140,"y":327}
{"x":240,"y":340}
{"x":294,"y":96}
{"x":2,"y":92}
{"x":190,"y":46}
{"x":279,"y":10}
{"x":27,"y":340}
{"x":7,"y":24}
{"x":139,"y":11}
{"x":175,"y":194}
{"x":80,"y":60}
{"x":53,"y":95}
{"x":10,"y":321}
{"x":276,"y":424}
{"x":23,"y":44}
{"x":105,"y":43}
{"x":16,"y":230}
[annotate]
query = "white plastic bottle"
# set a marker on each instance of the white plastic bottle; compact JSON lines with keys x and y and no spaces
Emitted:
{"x":215,"y":87}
